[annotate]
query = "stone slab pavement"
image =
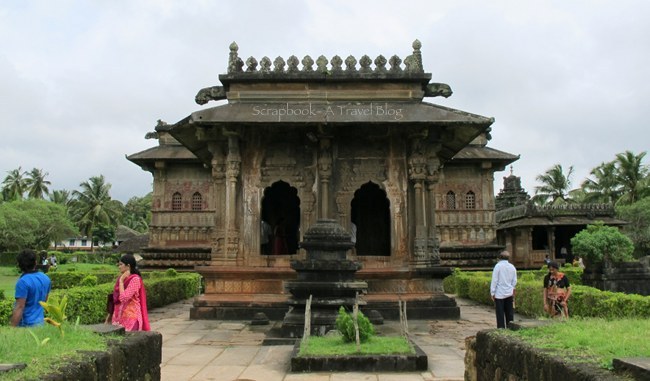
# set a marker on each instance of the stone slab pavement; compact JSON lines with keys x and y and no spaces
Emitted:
{"x":222,"y":350}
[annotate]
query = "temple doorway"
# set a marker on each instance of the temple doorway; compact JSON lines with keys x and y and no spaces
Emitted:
{"x":281,"y":211}
{"x":370,"y":212}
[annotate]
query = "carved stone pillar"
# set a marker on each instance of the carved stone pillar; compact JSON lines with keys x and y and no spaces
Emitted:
{"x":417,"y":175}
{"x":233,"y":168}
{"x":433,"y":176}
{"x":324,"y":175}
{"x":218,"y":180}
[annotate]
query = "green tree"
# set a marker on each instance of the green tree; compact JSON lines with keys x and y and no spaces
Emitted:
{"x":33,"y":223}
{"x":599,"y":243}
{"x":604,"y":187}
{"x":137,"y":213}
{"x":632,"y":176}
{"x":14,"y":185}
{"x":17,"y":227}
{"x":555,"y":185}
{"x":104,"y":233}
{"x":36,"y":185}
{"x":93,"y":205}
{"x":638,"y":229}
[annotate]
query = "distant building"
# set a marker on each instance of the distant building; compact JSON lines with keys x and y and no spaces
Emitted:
{"x":531,"y":232}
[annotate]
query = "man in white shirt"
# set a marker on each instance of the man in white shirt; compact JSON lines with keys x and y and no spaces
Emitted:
{"x":502,"y":289}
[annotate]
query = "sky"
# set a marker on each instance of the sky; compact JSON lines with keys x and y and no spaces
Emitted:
{"x":82,"y":82}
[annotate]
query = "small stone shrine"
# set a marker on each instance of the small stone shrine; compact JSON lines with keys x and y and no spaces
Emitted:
{"x":237,"y":186}
{"x":327,"y":276}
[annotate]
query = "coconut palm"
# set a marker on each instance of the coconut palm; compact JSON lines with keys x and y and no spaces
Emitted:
{"x":632,"y":176}
{"x":93,"y":205}
{"x":61,"y":197}
{"x":37,"y":186}
{"x":13,"y":186}
{"x":555,"y":185}
{"x":604,"y":187}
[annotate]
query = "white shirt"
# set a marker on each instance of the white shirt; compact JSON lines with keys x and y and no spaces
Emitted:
{"x":504,"y":280}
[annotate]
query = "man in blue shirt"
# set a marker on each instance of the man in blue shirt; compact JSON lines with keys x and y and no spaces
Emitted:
{"x":31,"y":288}
{"x":502,"y":289}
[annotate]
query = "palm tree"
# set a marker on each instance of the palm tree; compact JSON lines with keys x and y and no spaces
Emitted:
{"x":555,"y":185}
{"x":61,"y":197}
{"x":37,"y":186}
{"x":604,"y":187}
{"x":13,"y":186}
{"x":93,"y":205}
{"x":632,"y":176}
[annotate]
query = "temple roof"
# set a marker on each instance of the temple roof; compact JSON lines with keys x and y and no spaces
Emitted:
{"x":345,"y":100}
{"x":530,"y":214}
{"x":174,"y":152}
{"x":482,"y":153}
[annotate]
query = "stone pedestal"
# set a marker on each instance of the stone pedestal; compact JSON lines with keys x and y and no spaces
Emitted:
{"x":326,"y":275}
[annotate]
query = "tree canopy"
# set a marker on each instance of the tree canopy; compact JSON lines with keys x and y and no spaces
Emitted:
{"x":33,"y":224}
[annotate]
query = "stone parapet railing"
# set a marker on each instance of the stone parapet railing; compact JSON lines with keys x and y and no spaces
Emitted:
{"x":551,"y":211}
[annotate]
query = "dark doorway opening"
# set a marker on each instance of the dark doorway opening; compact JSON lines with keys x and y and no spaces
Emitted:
{"x":370,"y":212}
{"x":281,"y":210}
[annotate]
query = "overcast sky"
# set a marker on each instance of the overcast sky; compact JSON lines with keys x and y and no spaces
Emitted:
{"x":82,"y":82}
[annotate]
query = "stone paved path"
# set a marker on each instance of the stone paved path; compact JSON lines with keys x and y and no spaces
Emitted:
{"x":232,"y":351}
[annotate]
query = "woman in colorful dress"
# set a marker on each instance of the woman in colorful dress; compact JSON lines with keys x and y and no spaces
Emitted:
{"x":129,"y":297}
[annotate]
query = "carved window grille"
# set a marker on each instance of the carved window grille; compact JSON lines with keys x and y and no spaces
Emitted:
{"x":197,"y":201}
{"x":177,"y":201}
{"x":470,"y":200}
{"x":451,"y":200}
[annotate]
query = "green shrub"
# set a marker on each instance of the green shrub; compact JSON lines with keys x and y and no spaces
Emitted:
{"x":8,"y":259}
{"x":345,"y":325}
{"x":6,"y":308}
{"x":89,"y":302}
{"x":449,"y":284}
{"x":599,"y":243}
{"x":73,"y":278}
{"x":584,"y":302}
{"x":171,"y":272}
{"x":88,"y":280}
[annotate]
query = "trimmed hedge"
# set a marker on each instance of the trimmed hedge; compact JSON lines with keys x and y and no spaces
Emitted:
{"x":68,"y":279}
{"x":8,"y":259}
{"x":585,"y":301}
{"x":89,"y":303}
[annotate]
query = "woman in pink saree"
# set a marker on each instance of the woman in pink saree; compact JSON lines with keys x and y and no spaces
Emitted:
{"x":129,"y":297}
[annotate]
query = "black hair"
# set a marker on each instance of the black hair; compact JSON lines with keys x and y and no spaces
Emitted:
{"x":554,"y":265}
{"x":129,"y":260}
{"x":26,"y":261}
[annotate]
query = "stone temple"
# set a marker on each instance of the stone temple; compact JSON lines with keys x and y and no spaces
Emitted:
{"x":235,"y":186}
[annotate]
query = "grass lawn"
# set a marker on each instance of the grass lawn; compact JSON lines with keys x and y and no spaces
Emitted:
{"x":43,"y":348}
{"x":335,"y":346}
{"x":593,"y":341}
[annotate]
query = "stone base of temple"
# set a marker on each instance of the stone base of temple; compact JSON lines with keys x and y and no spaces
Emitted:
{"x":238,"y":293}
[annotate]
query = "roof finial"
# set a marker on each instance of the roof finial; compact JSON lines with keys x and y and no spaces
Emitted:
{"x":233,"y":59}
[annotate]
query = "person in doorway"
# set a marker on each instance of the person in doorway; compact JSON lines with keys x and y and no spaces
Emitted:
{"x":280,"y":238}
{"x":265,"y":237}
{"x":502,"y":289}
{"x":557,"y":291}
{"x":130,"y":297}
{"x":547,"y":260}
{"x":31,"y":288}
